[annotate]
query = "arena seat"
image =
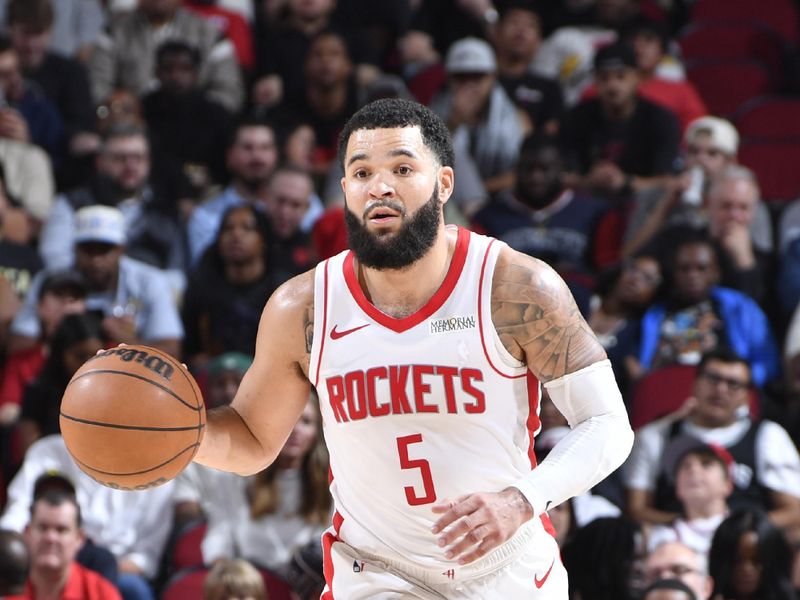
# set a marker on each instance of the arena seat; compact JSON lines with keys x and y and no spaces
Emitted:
{"x":776,"y":164}
{"x":186,"y":551}
{"x":726,"y":84}
{"x":735,"y":40}
{"x":773,"y":117}
{"x":780,"y":15}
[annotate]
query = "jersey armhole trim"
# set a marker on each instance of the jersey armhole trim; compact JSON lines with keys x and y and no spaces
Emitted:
{"x":486,"y":352}
{"x":324,"y":324}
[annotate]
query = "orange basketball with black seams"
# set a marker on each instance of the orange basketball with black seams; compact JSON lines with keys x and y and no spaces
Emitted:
{"x":132,"y":417}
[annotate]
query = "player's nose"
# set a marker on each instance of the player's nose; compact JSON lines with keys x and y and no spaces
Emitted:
{"x":381,"y":186}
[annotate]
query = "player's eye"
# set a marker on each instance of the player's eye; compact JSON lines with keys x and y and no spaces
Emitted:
{"x":404,"y":170}
{"x":360,"y":174}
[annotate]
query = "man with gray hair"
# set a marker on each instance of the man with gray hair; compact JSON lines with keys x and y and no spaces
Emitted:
{"x":676,"y":560}
{"x":731,"y":207}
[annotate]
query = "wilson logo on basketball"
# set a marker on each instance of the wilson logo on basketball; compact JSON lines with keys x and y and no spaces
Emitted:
{"x":154,"y":363}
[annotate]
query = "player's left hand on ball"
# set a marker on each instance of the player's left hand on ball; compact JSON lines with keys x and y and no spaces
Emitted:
{"x":476,"y":524}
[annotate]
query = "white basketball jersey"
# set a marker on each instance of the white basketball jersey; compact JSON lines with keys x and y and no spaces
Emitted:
{"x":418,"y":409}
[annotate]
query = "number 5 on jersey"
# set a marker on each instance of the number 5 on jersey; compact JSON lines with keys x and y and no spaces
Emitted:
{"x":417,"y":463}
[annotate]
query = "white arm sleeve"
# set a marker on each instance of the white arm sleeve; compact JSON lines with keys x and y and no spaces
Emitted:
{"x":600,"y":440}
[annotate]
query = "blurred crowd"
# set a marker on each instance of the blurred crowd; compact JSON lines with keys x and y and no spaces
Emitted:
{"x":165,"y":165}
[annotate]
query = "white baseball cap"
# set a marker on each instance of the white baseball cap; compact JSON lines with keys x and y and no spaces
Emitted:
{"x":470,"y":55}
{"x":722,"y":133}
{"x":104,"y":224}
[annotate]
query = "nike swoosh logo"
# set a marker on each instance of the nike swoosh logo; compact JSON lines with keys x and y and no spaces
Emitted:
{"x":335,"y":335}
{"x":540,"y":582}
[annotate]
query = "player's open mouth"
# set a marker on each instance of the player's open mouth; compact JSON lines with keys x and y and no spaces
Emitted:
{"x":382,"y":215}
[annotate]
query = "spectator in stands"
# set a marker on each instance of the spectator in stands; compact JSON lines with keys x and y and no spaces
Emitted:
{"x":750,"y":559}
{"x":288,"y":201}
{"x":133,"y":526}
{"x":622,"y":295}
{"x":676,"y":560}
{"x":15,"y":563}
{"x":650,"y":41}
{"x":232,"y":24}
{"x":185,"y":126}
{"x":281,"y":51}
{"x":619,"y":142}
{"x":702,"y":477}
{"x":577,"y":31}
{"x":76,"y":24}
{"x":697,"y":315}
{"x":614,"y":547}
{"x":710,"y":147}
{"x":198,"y":488}
{"x":728,"y":220}
{"x":62,"y":293}
{"x":545,"y":218}
{"x":228,"y":290}
{"x":234,"y":579}
{"x":63,"y":80}
{"x":482,"y":118}
{"x":26,"y":115}
{"x":516,"y":38}
{"x":766,"y":473}
{"x":123,"y":180}
{"x":77,"y":339}
{"x":124,"y":57}
{"x":19,"y":260}
{"x":330,"y":93}
{"x":54,"y":536}
{"x":28,"y":178}
{"x":279,"y":509}
{"x":251,"y":158}
{"x":136,"y":299}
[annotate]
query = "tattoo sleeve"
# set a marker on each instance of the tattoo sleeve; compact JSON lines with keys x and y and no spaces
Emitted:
{"x":538,"y":321}
{"x":308,"y":327}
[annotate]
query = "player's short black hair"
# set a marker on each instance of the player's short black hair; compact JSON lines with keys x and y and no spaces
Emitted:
{"x":397,"y":112}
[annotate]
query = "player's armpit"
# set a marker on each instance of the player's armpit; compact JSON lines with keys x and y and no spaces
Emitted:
{"x":247,"y":436}
{"x":537,"y":319}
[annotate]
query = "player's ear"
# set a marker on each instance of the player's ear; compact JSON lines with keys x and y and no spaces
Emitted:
{"x":446,"y":183}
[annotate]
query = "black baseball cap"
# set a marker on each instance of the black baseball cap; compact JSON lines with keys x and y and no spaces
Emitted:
{"x":618,"y":55}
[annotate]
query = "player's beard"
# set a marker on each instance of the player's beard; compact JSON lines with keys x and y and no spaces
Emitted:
{"x":395,"y":250}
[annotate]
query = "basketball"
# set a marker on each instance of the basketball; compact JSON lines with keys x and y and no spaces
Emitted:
{"x":132,"y":417}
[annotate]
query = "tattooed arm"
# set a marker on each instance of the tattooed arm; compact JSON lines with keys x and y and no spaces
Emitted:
{"x":246,"y":436}
{"x":538,"y":321}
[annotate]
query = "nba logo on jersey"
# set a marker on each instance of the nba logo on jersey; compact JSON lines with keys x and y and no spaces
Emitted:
{"x":450,"y":573}
{"x":357,"y":567}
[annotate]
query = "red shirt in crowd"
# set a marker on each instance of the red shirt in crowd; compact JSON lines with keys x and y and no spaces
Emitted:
{"x":82,"y":584}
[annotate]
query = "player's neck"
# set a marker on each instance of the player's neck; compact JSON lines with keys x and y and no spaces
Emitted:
{"x":402,"y":292}
{"x":704,"y":510}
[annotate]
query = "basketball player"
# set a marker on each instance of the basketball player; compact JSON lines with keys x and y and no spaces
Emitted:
{"x":427,"y":345}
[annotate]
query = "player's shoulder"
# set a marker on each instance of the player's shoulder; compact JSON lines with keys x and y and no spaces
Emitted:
{"x":294,"y":295}
{"x":524,"y":271}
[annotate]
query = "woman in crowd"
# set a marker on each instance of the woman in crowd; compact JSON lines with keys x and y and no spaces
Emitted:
{"x":281,"y":508}
{"x":77,"y":339}
{"x":750,"y":559}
